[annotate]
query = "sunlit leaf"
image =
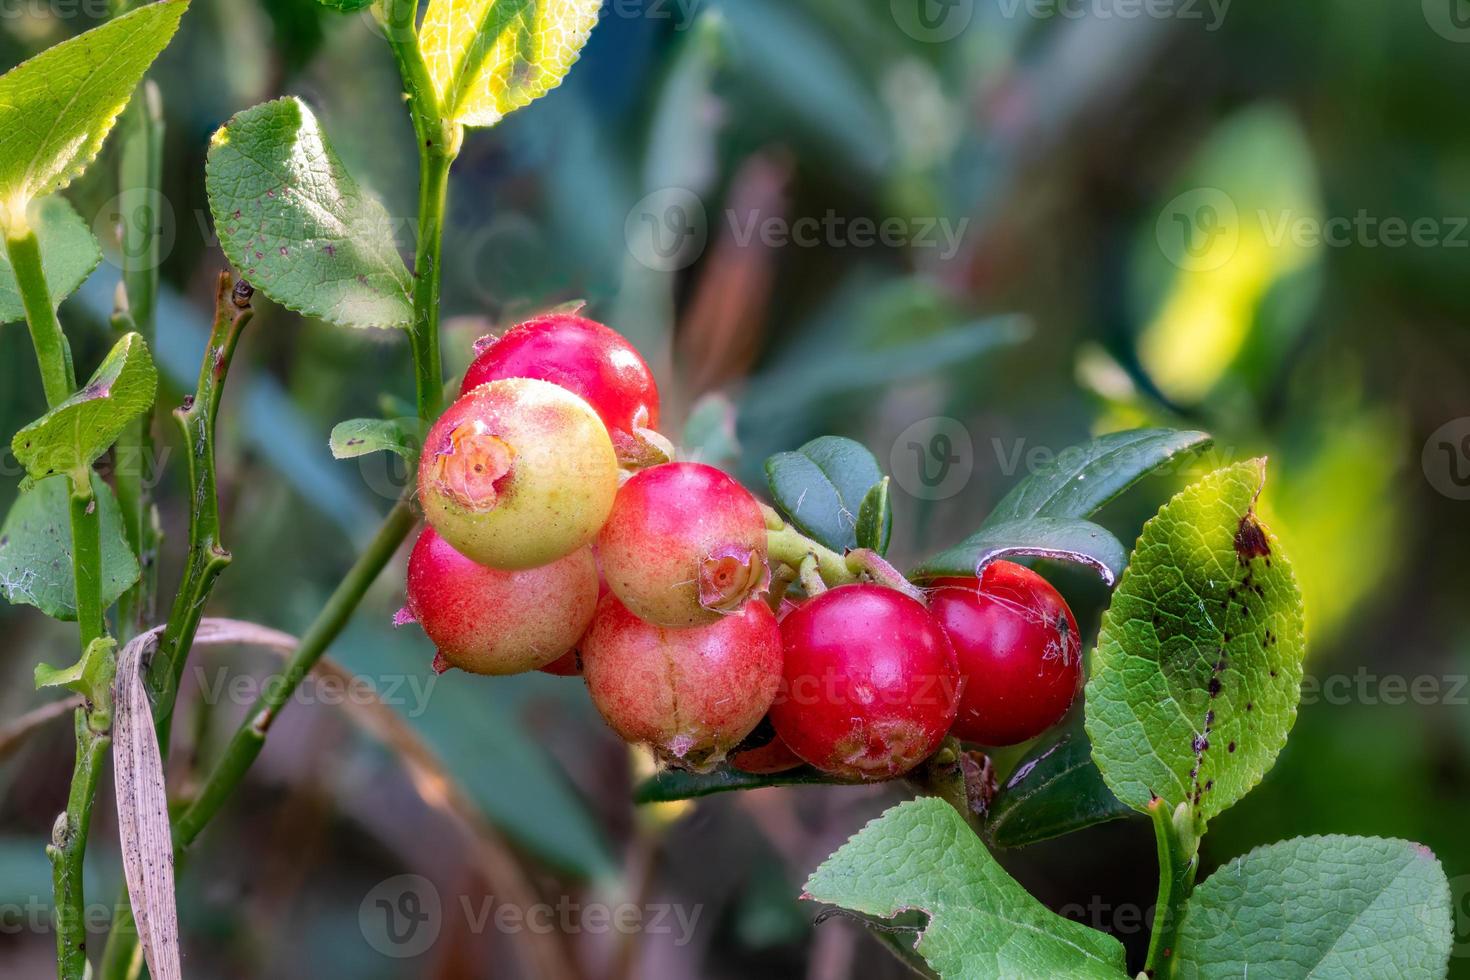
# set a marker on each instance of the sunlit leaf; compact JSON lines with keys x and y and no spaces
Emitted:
{"x":71,"y":436}
{"x":1198,"y":668}
{"x":57,"y":108}
{"x":294,"y":222}
{"x":488,"y":58}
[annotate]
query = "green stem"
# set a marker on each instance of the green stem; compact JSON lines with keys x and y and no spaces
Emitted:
{"x":68,"y":847}
{"x":791,"y":547}
{"x":438,"y":142}
{"x":250,"y":738}
{"x":1178,"y":840}
{"x":52,"y":351}
{"x":86,"y":557}
{"x":206,"y":560}
{"x":140,"y":174}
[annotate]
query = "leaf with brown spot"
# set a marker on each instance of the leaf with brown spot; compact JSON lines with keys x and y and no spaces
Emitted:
{"x":1201,"y":650}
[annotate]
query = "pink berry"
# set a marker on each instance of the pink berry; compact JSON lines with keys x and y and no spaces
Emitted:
{"x":1018,"y":648}
{"x":690,"y":694}
{"x":684,"y":545}
{"x":518,"y":473}
{"x":871,"y":684}
{"x":584,"y":357}
{"x":487,"y":621}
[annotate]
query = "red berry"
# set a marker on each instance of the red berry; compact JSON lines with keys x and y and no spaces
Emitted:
{"x":1018,"y":647}
{"x":582,"y":356}
{"x":684,"y":544}
{"x":691,"y":694}
{"x":763,"y":752}
{"x":570,"y":663}
{"x":487,"y":621}
{"x":871,"y":684}
{"x":518,"y":473}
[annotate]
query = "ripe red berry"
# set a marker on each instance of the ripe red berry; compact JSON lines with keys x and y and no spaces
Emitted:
{"x":684,"y":544}
{"x":763,"y":752}
{"x":1018,"y":647}
{"x":690,"y":694}
{"x":870,"y":686}
{"x":570,"y":663}
{"x":518,"y":473}
{"x":582,"y":356}
{"x":488,"y":621}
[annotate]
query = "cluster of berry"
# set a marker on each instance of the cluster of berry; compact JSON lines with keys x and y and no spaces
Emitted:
{"x":562,"y":538}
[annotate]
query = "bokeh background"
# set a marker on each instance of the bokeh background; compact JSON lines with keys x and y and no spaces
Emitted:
{"x":969,"y":233}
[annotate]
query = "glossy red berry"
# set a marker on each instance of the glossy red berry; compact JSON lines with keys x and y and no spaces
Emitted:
{"x":684,"y":545}
{"x":582,"y":356}
{"x":488,"y":621}
{"x":690,"y":694}
{"x":871,"y":684}
{"x":518,"y":473}
{"x":1018,"y":648}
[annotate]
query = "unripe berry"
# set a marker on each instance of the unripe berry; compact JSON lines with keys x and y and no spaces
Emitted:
{"x":871,"y":684}
{"x":584,"y":357}
{"x":488,"y":621}
{"x":684,"y":544}
{"x":1018,"y":648}
{"x":518,"y":473}
{"x":690,"y":694}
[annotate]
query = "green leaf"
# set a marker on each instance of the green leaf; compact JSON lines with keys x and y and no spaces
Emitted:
{"x":296,"y":224}
{"x":91,"y":676}
{"x":1198,"y":668}
{"x":1351,"y":907}
{"x":1063,"y":539}
{"x":875,"y":519}
{"x":359,"y":437}
{"x":677,"y":784}
{"x":346,"y":6}
{"x":70,"y":437}
{"x":488,"y":58}
{"x":821,"y":488}
{"x":69,"y":253}
{"x":1055,"y":789}
{"x":1084,"y":478}
{"x":57,"y":108}
{"x":922,"y":856}
{"x":35,"y":549}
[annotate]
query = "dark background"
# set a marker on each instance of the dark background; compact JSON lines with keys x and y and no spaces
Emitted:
{"x":1249,"y":219}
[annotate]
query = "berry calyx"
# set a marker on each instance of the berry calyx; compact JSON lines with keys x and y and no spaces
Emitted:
{"x":1019,"y":648}
{"x":518,"y":473}
{"x":870,"y":684}
{"x":584,"y":357}
{"x":487,"y":621}
{"x":684,"y":545}
{"x":690,"y":694}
